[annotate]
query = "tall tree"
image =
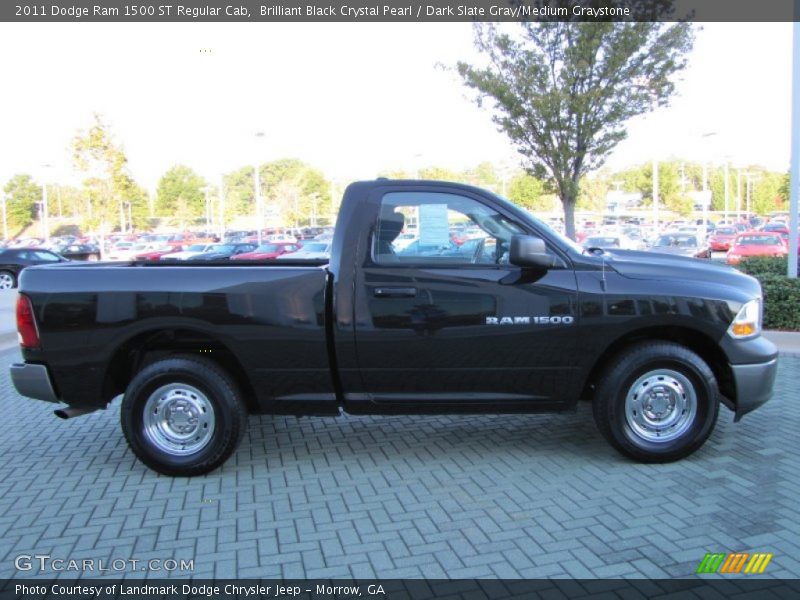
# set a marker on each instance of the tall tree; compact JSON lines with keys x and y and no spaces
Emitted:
{"x":563,"y":91}
{"x":22,"y":195}
{"x":297,"y":191}
{"x":529,"y":192}
{"x":109,"y":186}
{"x":180,"y":195}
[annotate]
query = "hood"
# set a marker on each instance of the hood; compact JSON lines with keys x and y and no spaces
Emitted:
{"x":209,"y":256}
{"x":662,"y":266}
{"x":689,"y":251}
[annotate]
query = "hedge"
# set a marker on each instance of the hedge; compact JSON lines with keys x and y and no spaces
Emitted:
{"x":781,"y":293}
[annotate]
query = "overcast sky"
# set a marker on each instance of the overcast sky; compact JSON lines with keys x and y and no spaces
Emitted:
{"x":352,"y":99}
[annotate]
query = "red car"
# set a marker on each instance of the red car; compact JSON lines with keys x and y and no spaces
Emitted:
{"x":722,"y":238}
{"x":158,"y":252}
{"x":268,"y":251}
{"x":756,"y":243}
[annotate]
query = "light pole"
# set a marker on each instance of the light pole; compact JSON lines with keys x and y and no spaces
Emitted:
{"x":5,"y":218}
{"x":44,"y":217}
{"x":655,"y":195}
{"x":706,"y":194}
{"x":259,"y":211}
{"x":207,"y":189}
{"x":221,"y":208}
{"x":727,"y":189}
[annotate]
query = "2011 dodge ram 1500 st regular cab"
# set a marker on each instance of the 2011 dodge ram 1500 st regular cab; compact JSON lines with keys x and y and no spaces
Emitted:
{"x":510,"y":318}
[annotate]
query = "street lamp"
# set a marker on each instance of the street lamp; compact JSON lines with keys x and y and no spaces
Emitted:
{"x":45,"y":224}
{"x":655,"y":195}
{"x":259,"y":211}
{"x":5,"y":218}
{"x":207,"y":189}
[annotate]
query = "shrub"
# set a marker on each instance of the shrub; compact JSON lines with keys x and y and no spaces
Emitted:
{"x":781,"y":302}
{"x":764,"y":265}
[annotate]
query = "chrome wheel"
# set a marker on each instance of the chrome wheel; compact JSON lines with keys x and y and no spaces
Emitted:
{"x":661,"y":405}
{"x":6,"y":281}
{"x":179,"y":419}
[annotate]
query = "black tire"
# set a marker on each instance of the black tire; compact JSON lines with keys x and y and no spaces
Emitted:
{"x":8,"y":277}
{"x":628,"y":414}
{"x":186,"y":387}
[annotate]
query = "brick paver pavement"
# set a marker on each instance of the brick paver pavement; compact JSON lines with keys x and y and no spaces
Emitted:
{"x":466,"y":496}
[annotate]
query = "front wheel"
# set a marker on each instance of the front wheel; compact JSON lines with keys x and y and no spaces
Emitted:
{"x":658,"y":403}
{"x":183,"y":416}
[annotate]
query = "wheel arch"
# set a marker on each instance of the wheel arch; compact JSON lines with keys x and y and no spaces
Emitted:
{"x":144,"y":348}
{"x":697,"y":341}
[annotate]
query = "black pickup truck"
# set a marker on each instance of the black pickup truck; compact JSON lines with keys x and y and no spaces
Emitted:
{"x":484,"y":309}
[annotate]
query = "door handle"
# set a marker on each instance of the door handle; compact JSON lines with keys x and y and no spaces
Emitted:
{"x":395,"y":292}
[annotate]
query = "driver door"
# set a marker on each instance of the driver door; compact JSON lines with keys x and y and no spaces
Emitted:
{"x":436,"y":326}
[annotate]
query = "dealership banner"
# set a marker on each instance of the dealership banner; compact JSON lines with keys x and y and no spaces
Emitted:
{"x":400,"y":10}
{"x":390,"y":589}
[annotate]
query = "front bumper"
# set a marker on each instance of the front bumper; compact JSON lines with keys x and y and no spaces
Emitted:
{"x":754,"y":385}
{"x":33,"y":381}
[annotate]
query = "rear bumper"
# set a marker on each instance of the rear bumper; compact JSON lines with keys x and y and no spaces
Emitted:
{"x":754,"y":385}
{"x":33,"y":381}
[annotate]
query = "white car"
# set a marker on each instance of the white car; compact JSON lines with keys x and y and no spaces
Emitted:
{"x":281,"y":237}
{"x":310,"y":250}
{"x":190,"y":251}
{"x":128,"y":250}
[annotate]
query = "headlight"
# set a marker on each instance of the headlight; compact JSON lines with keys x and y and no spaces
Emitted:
{"x":748,"y":322}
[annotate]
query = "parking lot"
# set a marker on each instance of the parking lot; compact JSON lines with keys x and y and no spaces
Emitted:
{"x":434,"y":497}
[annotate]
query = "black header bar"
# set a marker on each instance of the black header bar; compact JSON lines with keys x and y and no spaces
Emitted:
{"x":398,"y":10}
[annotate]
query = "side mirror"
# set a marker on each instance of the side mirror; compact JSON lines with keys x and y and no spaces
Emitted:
{"x":529,"y":251}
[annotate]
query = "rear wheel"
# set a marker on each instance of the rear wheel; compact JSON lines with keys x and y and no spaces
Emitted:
{"x":7,"y":280}
{"x":183,"y":416}
{"x":658,"y":403}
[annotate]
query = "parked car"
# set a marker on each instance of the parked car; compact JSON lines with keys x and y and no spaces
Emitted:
{"x":128,"y":250}
{"x":778,"y":228}
{"x":188,"y":252}
{"x":681,"y":244}
{"x":610,"y":241}
{"x":157,"y":253}
{"x":88,"y":252}
{"x":268,"y":251}
{"x":310,"y":250}
{"x":656,"y":343}
{"x":222,"y":252}
{"x":14,"y":260}
{"x":756,"y":243}
{"x":721,"y":240}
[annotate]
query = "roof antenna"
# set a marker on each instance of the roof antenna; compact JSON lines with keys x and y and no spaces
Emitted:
{"x":603,"y":280}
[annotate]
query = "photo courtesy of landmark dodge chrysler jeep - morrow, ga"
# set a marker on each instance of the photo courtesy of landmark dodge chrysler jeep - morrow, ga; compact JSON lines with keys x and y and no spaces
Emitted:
{"x":488,"y":310}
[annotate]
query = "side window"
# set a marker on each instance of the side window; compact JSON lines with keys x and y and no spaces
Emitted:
{"x":440,"y":229}
{"x":44,"y":256}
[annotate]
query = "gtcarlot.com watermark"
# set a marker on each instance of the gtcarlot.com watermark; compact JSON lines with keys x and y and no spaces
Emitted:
{"x":44,"y":563}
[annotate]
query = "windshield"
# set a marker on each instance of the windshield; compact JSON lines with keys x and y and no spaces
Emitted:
{"x":315,"y":248}
{"x":726,"y":231}
{"x":758,"y":240}
{"x":560,"y":237}
{"x":222,"y":248}
{"x":680,"y":241}
{"x":268,"y":248}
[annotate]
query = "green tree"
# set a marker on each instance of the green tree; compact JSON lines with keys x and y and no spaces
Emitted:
{"x":563,"y":91}
{"x":528,"y":192}
{"x":21,"y":209}
{"x":109,"y":187}
{"x":180,"y":195}
{"x":593,"y":194}
{"x":239,"y":193}
{"x":299,"y":192}
{"x":483,"y":175}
